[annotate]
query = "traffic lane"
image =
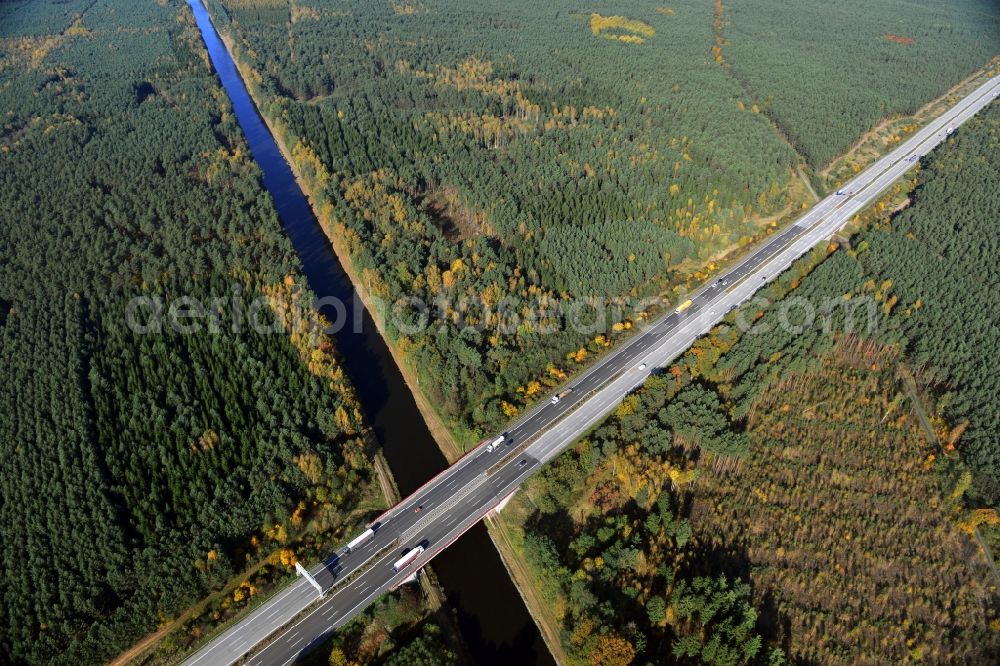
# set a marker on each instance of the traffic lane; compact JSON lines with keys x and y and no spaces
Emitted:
{"x":470,"y":509}
{"x":432,"y":495}
{"x":773,"y":250}
{"x":635,"y":348}
{"x":550,"y":443}
{"x":311,"y":630}
{"x":553,"y":441}
{"x":544,"y":416}
{"x":244,"y":639}
{"x":831,"y":201}
{"x":342,"y":565}
{"x":339,"y":608}
{"x":472,"y":501}
{"x":789,"y":240}
{"x":262,"y":619}
{"x":431,"y":504}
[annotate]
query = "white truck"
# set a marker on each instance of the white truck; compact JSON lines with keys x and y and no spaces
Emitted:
{"x":360,"y":539}
{"x":495,"y":444}
{"x":407,"y":559}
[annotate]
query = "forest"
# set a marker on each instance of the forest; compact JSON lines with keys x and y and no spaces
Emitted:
{"x":460,"y":154}
{"x":144,"y":467}
{"x":510,"y":163}
{"x":610,"y":543}
{"x":833,"y":475}
{"x":855,"y":62}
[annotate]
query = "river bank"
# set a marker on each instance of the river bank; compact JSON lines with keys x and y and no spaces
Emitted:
{"x":446,"y":441}
{"x":489,"y":605}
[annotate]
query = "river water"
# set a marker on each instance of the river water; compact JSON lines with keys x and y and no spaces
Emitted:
{"x":491,"y":615}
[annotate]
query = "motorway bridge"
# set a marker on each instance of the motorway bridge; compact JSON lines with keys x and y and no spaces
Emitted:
{"x":298,"y":617}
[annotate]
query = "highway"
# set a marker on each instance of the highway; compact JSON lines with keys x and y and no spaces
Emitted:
{"x":295,"y":619}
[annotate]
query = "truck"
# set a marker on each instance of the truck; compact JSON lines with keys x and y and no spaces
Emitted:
{"x":360,"y":539}
{"x":562,"y":394}
{"x":683,"y":306}
{"x":407,"y":559}
{"x":495,"y":444}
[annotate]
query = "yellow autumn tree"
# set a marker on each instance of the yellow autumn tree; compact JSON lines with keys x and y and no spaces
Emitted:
{"x":612,"y":650}
{"x":309,"y":164}
{"x":979,"y":517}
{"x":311,"y":466}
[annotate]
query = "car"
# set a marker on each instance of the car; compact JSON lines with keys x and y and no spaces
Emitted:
{"x":522,"y":462}
{"x":642,"y":366}
{"x":555,"y":399}
{"x":949,"y":130}
{"x":420,"y":507}
{"x":840,"y":193}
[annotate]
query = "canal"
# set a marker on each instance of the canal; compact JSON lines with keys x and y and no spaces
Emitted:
{"x":491,"y":615}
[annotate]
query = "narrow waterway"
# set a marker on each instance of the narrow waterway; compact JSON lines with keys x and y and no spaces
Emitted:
{"x":492,"y":617}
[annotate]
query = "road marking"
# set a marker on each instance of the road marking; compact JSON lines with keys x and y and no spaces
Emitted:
{"x":783,"y":247}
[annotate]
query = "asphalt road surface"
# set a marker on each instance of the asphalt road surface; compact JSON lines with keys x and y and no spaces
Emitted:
{"x":447,"y":505}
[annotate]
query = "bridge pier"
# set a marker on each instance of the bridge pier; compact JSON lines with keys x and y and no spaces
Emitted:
{"x":412,"y":578}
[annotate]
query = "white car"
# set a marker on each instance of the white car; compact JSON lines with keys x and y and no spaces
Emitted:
{"x":555,"y":399}
{"x":642,"y":366}
{"x":840,"y":193}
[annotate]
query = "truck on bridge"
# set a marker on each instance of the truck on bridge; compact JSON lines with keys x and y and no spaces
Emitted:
{"x":360,"y":539}
{"x":407,"y":559}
